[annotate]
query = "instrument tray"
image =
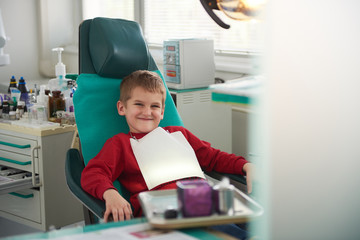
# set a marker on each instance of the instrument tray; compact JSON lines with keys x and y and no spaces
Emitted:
{"x":154,"y":204}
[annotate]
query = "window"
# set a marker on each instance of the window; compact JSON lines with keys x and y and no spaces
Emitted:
{"x":109,"y":8}
{"x":162,"y":20}
{"x":188,"y":19}
{"x":180,"y":19}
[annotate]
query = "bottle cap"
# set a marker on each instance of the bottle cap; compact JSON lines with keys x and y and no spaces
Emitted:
{"x":22,"y":80}
{"x":13,"y":79}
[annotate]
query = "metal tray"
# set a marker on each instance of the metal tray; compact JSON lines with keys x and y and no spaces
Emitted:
{"x":154,"y":203}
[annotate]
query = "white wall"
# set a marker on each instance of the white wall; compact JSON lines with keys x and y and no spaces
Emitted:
{"x":20,"y":22}
{"x":311,"y":116}
{"x":35,"y":27}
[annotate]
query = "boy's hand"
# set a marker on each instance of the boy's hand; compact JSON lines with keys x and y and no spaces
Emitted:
{"x":249,"y":169}
{"x":117,"y":206}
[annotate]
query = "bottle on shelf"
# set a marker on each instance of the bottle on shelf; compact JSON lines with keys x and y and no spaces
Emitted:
{"x":24,"y":91}
{"x":56,"y":103}
{"x":13,"y":83}
{"x":43,"y":99}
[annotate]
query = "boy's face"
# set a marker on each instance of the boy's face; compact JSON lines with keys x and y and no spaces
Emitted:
{"x":143,"y":111}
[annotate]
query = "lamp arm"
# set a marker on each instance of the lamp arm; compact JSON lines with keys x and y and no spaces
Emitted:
{"x":208,"y":6}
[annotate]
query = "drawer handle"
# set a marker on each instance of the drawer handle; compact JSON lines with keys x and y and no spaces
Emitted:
{"x":31,"y":195}
{"x":15,"y":161}
{"x":15,"y":145}
{"x":35,"y":184}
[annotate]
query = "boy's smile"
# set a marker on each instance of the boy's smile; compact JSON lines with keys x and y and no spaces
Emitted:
{"x":143,"y":111}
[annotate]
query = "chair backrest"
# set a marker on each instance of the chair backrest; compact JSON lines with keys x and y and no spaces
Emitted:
{"x":109,"y":49}
{"x":113,"y":48}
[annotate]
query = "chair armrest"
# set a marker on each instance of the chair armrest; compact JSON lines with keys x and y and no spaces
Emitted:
{"x":233,"y":177}
{"x":238,"y":178}
{"x":73,"y":169}
{"x":238,"y":181}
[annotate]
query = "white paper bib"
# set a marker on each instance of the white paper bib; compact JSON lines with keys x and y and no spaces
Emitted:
{"x":164,"y":157}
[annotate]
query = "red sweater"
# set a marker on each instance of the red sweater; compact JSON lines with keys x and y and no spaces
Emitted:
{"x":116,"y":160}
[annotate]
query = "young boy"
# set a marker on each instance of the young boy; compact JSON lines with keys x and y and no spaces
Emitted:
{"x":142,"y":102}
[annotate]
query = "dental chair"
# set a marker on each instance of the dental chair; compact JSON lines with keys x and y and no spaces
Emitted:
{"x":109,"y":49}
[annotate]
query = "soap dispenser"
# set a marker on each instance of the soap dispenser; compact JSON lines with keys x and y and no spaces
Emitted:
{"x":59,"y":83}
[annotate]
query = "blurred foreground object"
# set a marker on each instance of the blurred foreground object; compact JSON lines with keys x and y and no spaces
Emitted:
{"x":4,"y":58}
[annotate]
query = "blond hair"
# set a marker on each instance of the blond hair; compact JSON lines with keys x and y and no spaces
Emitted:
{"x":148,"y":80}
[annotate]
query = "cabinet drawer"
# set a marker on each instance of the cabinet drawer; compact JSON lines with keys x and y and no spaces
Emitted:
{"x":19,"y":145}
{"x":19,"y":161}
{"x":25,"y":204}
{"x":12,"y":179}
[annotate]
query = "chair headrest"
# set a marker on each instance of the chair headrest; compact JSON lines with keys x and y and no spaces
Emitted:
{"x":117,"y":47}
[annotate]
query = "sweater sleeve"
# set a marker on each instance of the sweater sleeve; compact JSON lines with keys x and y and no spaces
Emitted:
{"x":101,"y":171}
{"x":213,"y":159}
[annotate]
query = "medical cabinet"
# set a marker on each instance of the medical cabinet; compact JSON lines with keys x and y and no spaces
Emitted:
{"x":209,"y":121}
{"x":33,"y":190}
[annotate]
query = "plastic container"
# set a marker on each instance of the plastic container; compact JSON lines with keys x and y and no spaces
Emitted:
{"x":194,"y":198}
{"x":37,"y":114}
{"x":43,"y":99}
{"x":13,"y":83}
{"x":224,"y":197}
{"x":59,"y":83}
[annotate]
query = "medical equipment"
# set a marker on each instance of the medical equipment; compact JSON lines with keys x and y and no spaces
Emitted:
{"x":189,"y":63}
{"x":4,"y":58}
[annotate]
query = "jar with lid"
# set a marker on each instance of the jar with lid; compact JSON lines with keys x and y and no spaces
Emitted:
{"x":21,"y":108}
{"x":12,"y":115}
{"x":5,"y":110}
{"x":56,"y":103}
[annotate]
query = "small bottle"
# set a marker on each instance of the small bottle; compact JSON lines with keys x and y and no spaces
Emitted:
{"x":56,"y":103}
{"x":13,"y":83}
{"x":43,"y":99}
{"x":12,"y":115}
{"x":17,"y":114}
{"x":6,"y":110}
{"x":24,"y":91}
{"x":20,"y":107}
{"x":32,"y":96}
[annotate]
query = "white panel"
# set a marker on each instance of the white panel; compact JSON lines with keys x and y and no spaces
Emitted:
{"x":312,"y":104}
{"x":207,"y":120}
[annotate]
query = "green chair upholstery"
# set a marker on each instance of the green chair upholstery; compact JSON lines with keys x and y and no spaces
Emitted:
{"x":109,"y":49}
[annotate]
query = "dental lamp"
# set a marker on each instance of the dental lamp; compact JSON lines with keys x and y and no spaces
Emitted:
{"x":4,"y":58}
{"x":236,"y":9}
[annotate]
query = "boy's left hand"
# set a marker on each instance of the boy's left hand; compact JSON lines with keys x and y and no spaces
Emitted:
{"x":249,"y":169}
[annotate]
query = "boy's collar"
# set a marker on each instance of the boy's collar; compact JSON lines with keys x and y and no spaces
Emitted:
{"x":137,"y":136}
